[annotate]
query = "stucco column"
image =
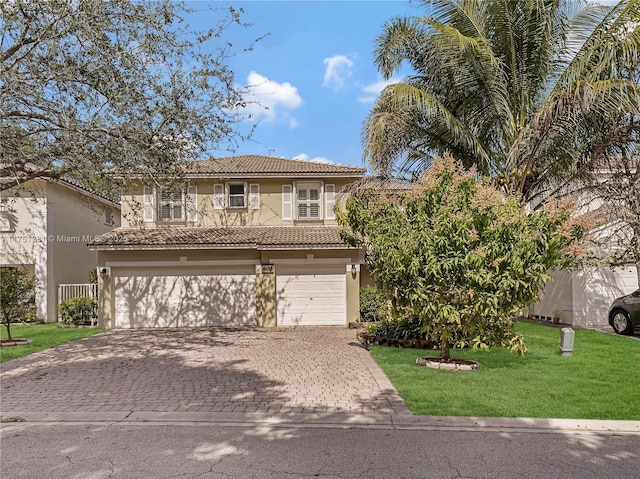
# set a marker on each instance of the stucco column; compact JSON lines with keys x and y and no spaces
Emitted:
{"x":105,"y":313}
{"x":265,"y":296}
{"x":353,"y":292}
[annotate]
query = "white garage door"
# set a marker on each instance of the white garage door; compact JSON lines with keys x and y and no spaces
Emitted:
{"x":311,"y":295}
{"x":184,"y":297}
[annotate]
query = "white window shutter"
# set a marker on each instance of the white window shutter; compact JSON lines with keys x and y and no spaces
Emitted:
{"x":192,"y":204}
{"x":330,"y":201}
{"x":5,"y":224}
{"x":254,"y":196}
{"x":149,"y":204}
{"x":218,"y":196}
{"x":287,"y":202}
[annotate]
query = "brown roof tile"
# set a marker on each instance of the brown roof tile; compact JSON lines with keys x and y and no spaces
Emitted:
{"x":259,"y":237}
{"x":260,"y":166}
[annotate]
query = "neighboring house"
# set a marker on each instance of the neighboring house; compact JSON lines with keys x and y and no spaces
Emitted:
{"x":45,"y":225}
{"x":246,"y":240}
{"x":581,"y":296}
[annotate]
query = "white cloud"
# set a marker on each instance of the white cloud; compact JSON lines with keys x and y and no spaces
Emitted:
{"x":337,"y":71}
{"x":267,"y":98}
{"x":316,"y":159}
{"x":373,"y":90}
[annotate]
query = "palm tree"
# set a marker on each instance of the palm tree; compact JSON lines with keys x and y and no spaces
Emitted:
{"x":528,"y":91}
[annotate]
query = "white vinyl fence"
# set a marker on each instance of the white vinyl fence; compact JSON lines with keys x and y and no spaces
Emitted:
{"x":69,"y":291}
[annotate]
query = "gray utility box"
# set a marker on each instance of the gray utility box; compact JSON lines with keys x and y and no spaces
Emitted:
{"x":567,"y":338}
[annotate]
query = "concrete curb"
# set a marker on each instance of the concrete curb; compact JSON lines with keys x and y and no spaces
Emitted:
{"x":347,"y":421}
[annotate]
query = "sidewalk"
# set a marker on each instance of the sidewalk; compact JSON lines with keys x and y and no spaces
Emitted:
{"x":341,"y":421}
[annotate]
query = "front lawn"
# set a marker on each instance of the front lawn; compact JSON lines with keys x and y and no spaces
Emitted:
{"x":600,"y":381}
{"x":43,"y":336}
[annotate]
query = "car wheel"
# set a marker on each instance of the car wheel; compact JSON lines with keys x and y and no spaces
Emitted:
{"x":620,"y":322}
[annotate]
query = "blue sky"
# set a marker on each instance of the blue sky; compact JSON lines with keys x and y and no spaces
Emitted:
{"x":314,"y":71}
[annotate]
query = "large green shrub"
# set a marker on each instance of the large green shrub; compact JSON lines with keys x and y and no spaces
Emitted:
{"x":80,"y":311}
{"x":400,"y":328}
{"x":372,"y":302}
{"x":459,"y":254}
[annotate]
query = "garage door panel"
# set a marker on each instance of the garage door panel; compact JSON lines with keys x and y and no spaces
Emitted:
{"x":311,"y":295}
{"x":175,"y":298}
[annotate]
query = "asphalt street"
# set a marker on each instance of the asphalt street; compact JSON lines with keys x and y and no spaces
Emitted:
{"x":264,"y":449}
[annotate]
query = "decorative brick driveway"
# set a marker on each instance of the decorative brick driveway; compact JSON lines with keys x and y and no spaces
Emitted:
{"x":307,"y":370}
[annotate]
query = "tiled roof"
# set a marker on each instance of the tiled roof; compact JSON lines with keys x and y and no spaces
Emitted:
{"x":380,"y":184}
{"x":260,"y":237}
{"x":260,"y":166}
{"x":9,"y":173}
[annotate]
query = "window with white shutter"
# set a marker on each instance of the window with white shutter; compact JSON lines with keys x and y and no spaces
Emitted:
{"x":237,"y":195}
{"x":149,"y":204}
{"x":254,"y":196}
{"x":192,"y":204}
{"x":5,"y":221}
{"x":171,"y":204}
{"x":287,"y":202}
{"x":308,"y":204}
{"x":330,"y":201}
{"x":218,"y":196}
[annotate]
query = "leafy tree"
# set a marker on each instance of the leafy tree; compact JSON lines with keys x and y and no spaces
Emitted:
{"x":458,"y":254}
{"x":17,"y":295}
{"x":530,"y":91}
{"x":88,"y":86}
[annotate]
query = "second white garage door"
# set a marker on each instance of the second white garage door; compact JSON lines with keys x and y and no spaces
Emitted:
{"x":311,"y":295}
{"x":184,"y":297}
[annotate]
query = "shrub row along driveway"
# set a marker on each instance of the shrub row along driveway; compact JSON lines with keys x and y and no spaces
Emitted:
{"x":307,"y":370}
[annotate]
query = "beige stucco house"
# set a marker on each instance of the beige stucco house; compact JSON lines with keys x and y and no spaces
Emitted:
{"x":246,"y":240}
{"x":45,"y":225}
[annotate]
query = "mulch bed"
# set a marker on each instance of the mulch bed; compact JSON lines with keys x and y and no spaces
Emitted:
{"x":368,"y":339}
{"x":14,"y":342}
{"x":450,"y":364}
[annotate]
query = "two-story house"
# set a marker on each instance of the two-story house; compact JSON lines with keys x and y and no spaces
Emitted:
{"x":246,"y":240}
{"x":45,"y":225}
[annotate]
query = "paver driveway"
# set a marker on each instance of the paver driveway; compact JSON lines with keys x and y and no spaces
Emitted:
{"x":319,"y":370}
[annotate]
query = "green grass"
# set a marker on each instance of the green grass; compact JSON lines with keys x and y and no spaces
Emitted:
{"x":43,"y":336}
{"x":600,"y":381}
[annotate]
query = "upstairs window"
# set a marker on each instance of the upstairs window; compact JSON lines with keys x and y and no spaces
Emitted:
{"x":308,"y":205}
{"x":237,"y":196}
{"x":171,"y":206}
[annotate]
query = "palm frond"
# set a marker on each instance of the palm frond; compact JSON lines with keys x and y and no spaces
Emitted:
{"x":613,"y":47}
{"x":573,"y":127}
{"x":403,"y":109}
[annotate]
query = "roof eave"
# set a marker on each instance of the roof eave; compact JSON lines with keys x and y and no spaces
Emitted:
{"x":292,"y":175}
{"x":138,"y":247}
{"x":155,"y":247}
{"x":301,"y":247}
